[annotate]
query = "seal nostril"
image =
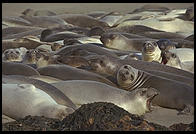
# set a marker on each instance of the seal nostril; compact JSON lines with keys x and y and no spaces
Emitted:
{"x":126,"y":67}
{"x":126,"y":72}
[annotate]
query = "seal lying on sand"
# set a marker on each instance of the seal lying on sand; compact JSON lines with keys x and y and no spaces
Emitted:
{"x":173,"y":60}
{"x":120,"y":42}
{"x":10,"y":68}
{"x":57,"y":95}
{"x":173,"y":94}
{"x":20,"y":100}
{"x":83,"y":92}
{"x":65,"y":72}
{"x":14,"y":54}
{"x":109,"y":66}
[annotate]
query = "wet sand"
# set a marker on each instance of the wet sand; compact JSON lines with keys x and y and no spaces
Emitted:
{"x":15,"y":9}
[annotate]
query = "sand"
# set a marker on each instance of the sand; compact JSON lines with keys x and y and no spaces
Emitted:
{"x":14,"y":9}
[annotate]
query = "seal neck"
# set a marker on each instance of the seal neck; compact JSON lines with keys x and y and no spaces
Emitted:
{"x":138,"y":82}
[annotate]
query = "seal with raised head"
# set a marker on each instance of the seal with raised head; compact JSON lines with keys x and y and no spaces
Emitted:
{"x":10,"y":68}
{"x":109,"y":66}
{"x":14,"y":54}
{"x":173,"y":60}
{"x":39,"y":58}
{"x":84,"y":91}
{"x":53,"y":92}
{"x":173,"y":94}
{"x":151,"y":52}
{"x":20,"y":100}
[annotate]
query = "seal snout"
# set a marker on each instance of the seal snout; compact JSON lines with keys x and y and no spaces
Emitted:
{"x":126,"y":74}
{"x":149,"y":46}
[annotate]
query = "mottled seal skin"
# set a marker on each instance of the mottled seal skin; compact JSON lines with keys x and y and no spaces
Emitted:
{"x":57,"y":95}
{"x":165,"y":44}
{"x":20,"y":100}
{"x":172,"y":94}
{"x":83,"y":92}
{"x":65,"y":72}
{"x":151,"y":52}
{"x":39,"y":58}
{"x":14,"y":54}
{"x":173,"y":60}
{"x":10,"y":68}
{"x":120,"y":42}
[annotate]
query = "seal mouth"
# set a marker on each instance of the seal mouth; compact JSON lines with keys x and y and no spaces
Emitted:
{"x":149,"y":101}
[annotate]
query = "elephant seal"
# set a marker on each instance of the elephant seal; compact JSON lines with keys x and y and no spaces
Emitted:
{"x":151,"y":52}
{"x":10,"y":68}
{"x":14,"y":54}
{"x":82,"y":20}
{"x":20,"y":100}
{"x":120,"y":42}
{"x":185,"y":54}
{"x":173,"y":60}
{"x":108,"y":67}
{"x":31,"y":12}
{"x":173,"y":94}
{"x":74,"y":61}
{"x":65,"y":72}
{"x":29,"y":42}
{"x":111,"y":65}
{"x":49,"y":35}
{"x":39,"y":58}
{"x":57,"y":95}
{"x":151,"y":8}
{"x":83,"y":92}
{"x":45,"y":21}
{"x":88,"y":47}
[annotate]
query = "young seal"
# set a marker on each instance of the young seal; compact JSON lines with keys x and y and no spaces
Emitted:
{"x":83,"y":92}
{"x":41,"y":59}
{"x":10,"y":68}
{"x":173,"y":94}
{"x":14,"y":54}
{"x":120,"y":42}
{"x":20,"y":100}
{"x":173,"y":60}
{"x":151,"y":52}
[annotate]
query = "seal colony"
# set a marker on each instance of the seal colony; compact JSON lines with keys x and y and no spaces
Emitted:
{"x":54,"y":63}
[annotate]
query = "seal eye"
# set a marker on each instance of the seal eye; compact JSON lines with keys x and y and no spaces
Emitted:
{"x":101,"y":62}
{"x":173,"y":55}
{"x":17,"y":52}
{"x":6,"y":52}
